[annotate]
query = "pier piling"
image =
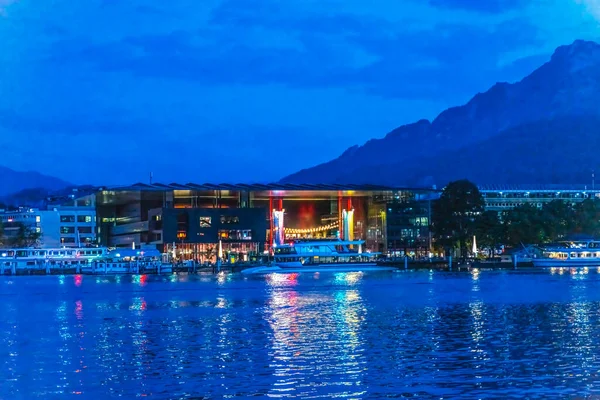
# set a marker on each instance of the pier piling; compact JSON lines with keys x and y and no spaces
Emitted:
{"x":405,"y":262}
{"x":450,"y":263}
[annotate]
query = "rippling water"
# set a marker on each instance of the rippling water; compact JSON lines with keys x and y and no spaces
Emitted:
{"x":347,"y":335}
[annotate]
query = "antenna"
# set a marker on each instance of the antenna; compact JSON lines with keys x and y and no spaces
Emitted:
{"x":151,"y":178}
{"x":593,"y":180}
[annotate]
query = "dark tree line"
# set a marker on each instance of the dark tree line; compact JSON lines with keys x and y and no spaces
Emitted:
{"x":18,"y":235}
{"x":459,"y":215}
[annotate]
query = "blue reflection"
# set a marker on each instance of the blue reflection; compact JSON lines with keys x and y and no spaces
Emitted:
{"x":430,"y":334}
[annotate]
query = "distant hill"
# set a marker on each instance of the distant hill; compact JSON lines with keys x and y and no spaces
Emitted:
{"x":503,"y":131}
{"x":563,"y":150}
{"x":12,"y":181}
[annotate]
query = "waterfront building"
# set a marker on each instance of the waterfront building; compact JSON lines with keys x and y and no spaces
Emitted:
{"x":505,"y":197}
{"x":203,"y":221}
{"x":67,"y":221}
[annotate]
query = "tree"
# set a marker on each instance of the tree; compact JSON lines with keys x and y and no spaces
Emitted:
{"x":25,"y":237}
{"x":524,"y":225}
{"x":587,"y":217}
{"x":558,"y":220}
{"x":455,"y":214}
{"x":490,"y":231}
{"x":2,"y":239}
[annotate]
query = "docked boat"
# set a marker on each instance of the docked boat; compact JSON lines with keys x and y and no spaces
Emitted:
{"x":320,"y":256}
{"x":131,"y":261}
{"x":570,"y":254}
{"x":85,"y":260}
{"x":49,"y":259}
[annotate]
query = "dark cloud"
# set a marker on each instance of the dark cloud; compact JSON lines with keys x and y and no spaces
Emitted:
{"x":107,"y":122}
{"x":451,"y":60}
{"x":484,"y":6}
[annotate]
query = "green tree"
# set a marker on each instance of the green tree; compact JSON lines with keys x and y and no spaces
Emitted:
{"x":25,"y":236}
{"x":524,"y":225}
{"x":587,"y":217}
{"x":490,"y":231}
{"x":558,"y":220}
{"x":455,"y":214}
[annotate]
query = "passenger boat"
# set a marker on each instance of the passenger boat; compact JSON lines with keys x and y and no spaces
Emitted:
{"x":319,"y":256}
{"x":570,"y":254}
{"x":127,"y":261}
{"x":49,"y":259}
{"x":90,"y":260}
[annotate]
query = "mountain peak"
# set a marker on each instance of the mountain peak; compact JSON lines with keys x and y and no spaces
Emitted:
{"x":567,"y":87}
{"x":579,"y":54}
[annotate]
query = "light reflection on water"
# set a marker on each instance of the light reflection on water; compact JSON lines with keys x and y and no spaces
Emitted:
{"x":349,"y":335}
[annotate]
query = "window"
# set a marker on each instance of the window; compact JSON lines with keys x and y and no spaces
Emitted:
{"x":205,"y":222}
{"x":237,"y":234}
{"x":227,"y":219}
{"x":67,"y":240}
{"x":85,"y":229}
{"x":83,"y":202}
{"x":67,"y":218}
{"x":84,"y":218}
{"x":65,"y":230}
{"x":38,"y":218}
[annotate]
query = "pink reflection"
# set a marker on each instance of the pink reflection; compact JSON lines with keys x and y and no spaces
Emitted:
{"x":77,"y":279}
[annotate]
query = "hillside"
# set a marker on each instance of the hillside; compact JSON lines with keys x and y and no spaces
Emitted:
{"x":12,"y":181}
{"x":566,"y":86}
{"x":563,"y":150}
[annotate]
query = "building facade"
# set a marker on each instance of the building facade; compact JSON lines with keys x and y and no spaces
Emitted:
{"x":197,"y":221}
{"x":505,"y":197}
{"x":64,"y":222}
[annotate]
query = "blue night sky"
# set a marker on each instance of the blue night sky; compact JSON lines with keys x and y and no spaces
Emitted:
{"x":105,"y":91}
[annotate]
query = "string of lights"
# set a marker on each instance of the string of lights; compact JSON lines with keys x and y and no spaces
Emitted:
{"x":323,"y":228}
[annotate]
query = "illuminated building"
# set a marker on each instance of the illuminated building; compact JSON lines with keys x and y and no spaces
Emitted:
{"x":247,"y":219}
{"x":505,"y":197}
{"x":68,"y":221}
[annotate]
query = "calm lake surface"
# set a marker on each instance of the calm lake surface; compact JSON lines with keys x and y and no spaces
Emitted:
{"x":346,"y":335}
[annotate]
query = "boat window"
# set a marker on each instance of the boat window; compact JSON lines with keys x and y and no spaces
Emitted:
{"x":21,"y":253}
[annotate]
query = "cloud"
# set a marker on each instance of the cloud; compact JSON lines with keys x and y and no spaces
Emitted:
{"x":484,"y":6}
{"x":261,"y":73}
{"x":107,"y":122}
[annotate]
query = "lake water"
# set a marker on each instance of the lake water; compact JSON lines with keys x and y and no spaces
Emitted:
{"x":347,"y":335}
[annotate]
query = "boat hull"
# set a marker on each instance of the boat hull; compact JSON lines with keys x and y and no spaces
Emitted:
{"x":354,"y":267}
{"x":566,"y":263}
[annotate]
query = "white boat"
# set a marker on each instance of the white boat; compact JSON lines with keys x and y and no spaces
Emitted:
{"x":570,"y":254}
{"x":320,"y":256}
{"x":49,"y":259}
{"x":130,"y":261}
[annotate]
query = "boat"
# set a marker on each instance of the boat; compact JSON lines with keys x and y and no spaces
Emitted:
{"x":49,"y":259}
{"x":85,"y":260}
{"x":128,"y":261}
{"x":320,"y":256}
{"x":570,"y":254}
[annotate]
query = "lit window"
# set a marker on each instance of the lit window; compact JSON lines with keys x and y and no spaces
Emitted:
{"x":205,"y":222}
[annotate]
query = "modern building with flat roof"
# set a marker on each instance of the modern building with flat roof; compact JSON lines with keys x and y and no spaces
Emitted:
{"x":67,"y":221}
{"x":505,"y":197}
{"x":246,"y":219}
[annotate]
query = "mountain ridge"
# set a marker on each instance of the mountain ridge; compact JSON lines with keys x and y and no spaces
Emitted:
{"x":567,"y":85}
{"x":14,"y":181}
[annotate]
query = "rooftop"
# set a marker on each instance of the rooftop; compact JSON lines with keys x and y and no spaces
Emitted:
{"x":259,"y":187}
{"x":539,"y":188}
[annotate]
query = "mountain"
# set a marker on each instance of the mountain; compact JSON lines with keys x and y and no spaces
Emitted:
{"x":14,"y":181}
{"x":565,"y":89}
